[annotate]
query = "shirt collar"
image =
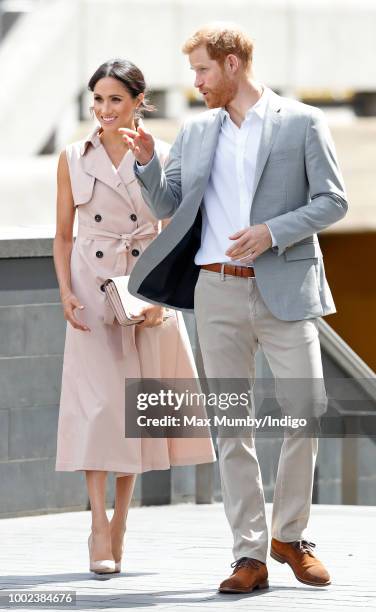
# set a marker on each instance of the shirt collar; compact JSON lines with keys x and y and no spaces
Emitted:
{"x":259,"y":108}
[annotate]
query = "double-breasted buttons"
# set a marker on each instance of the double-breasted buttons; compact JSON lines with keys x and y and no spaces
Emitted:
{"x":99,"y":254}
{"x":102,"y":287}
{"x":135,"y":252}
{"x":133,"y":217}
{"x":98,"y":218}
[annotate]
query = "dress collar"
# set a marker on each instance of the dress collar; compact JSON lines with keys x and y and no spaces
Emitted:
{"x":97,"y":163}
{"x":92,"y":138}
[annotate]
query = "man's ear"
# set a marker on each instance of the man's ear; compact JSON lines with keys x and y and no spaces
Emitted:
{"x":232,"y":62}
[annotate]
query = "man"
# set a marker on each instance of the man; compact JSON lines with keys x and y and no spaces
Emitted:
{"x":249,"y":184}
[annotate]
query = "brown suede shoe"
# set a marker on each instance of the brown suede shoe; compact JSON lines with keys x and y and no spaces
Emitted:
{"x":248,"y":574}
{"x":302,"y":561}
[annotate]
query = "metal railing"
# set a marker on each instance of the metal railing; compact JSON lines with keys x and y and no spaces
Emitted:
{"x":349,"y":365}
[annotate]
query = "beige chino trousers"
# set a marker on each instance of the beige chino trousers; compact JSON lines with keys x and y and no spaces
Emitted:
{"x":232,"y":322}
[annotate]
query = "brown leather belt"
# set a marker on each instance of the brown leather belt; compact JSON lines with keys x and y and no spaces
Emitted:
{"x":240,"y":271}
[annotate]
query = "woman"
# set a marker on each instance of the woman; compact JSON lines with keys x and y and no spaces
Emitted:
{"x":95,"y":176}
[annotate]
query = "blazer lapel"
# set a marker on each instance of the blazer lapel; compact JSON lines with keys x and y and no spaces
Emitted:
{"x":271,"y":125}
{"x":207,"y":151}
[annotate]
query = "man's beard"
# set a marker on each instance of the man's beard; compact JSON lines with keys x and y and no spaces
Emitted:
{"x":222,"y":94}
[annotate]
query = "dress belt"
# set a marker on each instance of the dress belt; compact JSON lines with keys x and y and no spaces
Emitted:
{"x":240,"y":271}
{"x":147,"y":230}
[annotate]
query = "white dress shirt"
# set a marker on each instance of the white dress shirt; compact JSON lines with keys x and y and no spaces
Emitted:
{"x":227,"y":199}
{"x":228,"y":196}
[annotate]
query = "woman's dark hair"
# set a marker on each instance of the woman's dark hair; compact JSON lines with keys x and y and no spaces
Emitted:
{"x":129,"y":75}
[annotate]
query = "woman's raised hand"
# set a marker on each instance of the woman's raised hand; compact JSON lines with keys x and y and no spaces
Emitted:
{"x":70,"y":303}
{"x":140,"y":142}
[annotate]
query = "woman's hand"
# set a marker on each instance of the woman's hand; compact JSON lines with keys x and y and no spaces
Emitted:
{"x":70,"y":303}
{"x":153,"y":316}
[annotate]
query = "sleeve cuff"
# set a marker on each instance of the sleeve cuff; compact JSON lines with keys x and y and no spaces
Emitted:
{"x":141,"y":167}
{"x":274,"y":242}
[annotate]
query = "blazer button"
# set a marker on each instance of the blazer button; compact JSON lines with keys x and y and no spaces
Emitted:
{"x":99,"y":254}
{"x":98,"y":218}
{"x":133,"y":217}
{"x":102,"y":287}
{"x":135,"y":252}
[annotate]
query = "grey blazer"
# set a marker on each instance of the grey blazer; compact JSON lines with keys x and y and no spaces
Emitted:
{"x":298,"y":191}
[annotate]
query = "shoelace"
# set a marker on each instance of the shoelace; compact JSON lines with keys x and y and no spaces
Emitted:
{"x":304,"y":546}
{"x":246,"y":562}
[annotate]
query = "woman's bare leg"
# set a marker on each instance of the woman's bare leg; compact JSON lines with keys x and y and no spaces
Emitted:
{"x":123,"y":496}
{"x":100,"y":526}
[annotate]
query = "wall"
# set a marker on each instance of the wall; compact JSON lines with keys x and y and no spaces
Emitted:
{"x":351,"y":272}
{"x":32,"y":331}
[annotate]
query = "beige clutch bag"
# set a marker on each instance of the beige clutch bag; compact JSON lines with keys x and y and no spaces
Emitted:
{"x":124,"y":305}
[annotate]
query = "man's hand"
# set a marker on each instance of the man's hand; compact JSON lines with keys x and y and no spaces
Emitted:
{"x":250,"y":243}
{"x":141,"y":142}
{"x":153,"y":316}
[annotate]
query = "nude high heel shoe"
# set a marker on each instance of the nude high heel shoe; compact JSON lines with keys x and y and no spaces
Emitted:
{"x":118,"y":563}
{"x":104,"y":566}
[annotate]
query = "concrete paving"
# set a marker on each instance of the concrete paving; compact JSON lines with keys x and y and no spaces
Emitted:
{"x":177,"y":555}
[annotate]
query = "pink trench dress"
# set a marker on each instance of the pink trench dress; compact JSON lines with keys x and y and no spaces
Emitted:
{"x":114,"y":227}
